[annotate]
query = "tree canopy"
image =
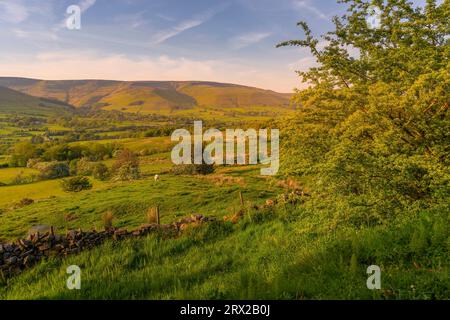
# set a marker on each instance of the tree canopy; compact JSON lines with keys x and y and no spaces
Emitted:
{"x":372,"y":128}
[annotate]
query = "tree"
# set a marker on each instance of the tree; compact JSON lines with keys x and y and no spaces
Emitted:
{"x":126,"y":166}
{"x":21,"y":153}
{"x":100,"y":171}
{"x":54,"y":170}
{"x":373,"y":126}
{"x":76,"y":184}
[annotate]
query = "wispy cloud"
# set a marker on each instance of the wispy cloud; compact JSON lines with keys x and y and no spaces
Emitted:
{"x":93,"y":65}
{"x":13,"y":11}
{"x":86,"y":4}
{"x":35,"y":34}
{"x":248,"y":39}
{"x":307,"y":5}
{"x":165,"y":17}
{"x":134,"y":20}
{"x":182,"y":26}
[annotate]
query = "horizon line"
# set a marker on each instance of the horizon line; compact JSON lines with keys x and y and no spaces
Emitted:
{"x":116,"y":80}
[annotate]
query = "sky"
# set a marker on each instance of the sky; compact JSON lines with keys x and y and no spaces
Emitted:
{"x":211,"y":40}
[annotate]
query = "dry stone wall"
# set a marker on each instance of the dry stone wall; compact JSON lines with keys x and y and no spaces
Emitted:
{"x":24,"y":253}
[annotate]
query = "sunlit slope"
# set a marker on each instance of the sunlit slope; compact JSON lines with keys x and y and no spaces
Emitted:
{"x":151,"y":96}
{"x":232,"y":96}
{"x":15,"y":102}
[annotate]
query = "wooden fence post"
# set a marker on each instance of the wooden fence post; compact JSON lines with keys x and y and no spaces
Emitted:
{"x":241,"y":198}
{"x":157,"y":215}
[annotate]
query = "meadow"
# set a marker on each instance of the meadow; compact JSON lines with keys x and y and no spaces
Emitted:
{"x":363,"y":180}
{"x":286,"y":252}
{"x":177,"y":196}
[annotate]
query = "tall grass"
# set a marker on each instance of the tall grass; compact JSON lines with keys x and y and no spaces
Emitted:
{"x":278,"y":254}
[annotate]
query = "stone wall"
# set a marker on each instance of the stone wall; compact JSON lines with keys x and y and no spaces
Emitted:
{"x":17,"y":256}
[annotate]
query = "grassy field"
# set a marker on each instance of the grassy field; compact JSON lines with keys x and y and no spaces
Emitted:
{"x":7,"y":175}
{"x":284,"y":252}
{"x":129,"y":201}
{"x":280,"y":253}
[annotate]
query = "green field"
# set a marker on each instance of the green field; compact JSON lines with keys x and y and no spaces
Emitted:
{"x":176,"y":195}
{"x":363,"y":181}
{"x":7,"y":175}
{"x":284,"y":253}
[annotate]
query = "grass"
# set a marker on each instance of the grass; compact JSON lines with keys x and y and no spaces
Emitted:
{"x":42,"y":190}
{"x":177,"y":196}
{"x":7,"y":175}
{"x":16,"y":102}
{"x":285,"y":253}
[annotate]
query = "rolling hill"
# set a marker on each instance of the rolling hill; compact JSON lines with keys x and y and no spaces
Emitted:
{"x":184,"y":97}
{"x":15,"y":102}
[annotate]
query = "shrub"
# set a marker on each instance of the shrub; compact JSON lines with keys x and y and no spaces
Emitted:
{"x":152,"y":215}
{"x":100,"y":171}
{"x":107,"y":219}
{"x":73,"y":166}
{"x":192,"y":169}
{"x":76,"y":184}
{"x":54,"y":170}
{"x":84,"y":167}
{"x":31,"y":163}
{"x":126,"y":166}
{"x":21,"y":153}
{"x":26,"y":201}
{"x":21,"y":179}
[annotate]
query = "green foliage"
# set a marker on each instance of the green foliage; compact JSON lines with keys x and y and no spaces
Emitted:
{"x":191,"y":169}
{"x":100,"y":171}
{"x":21,"y":153}
{"x":369,"y":140}
{"x":83,"y":167}
{"x":372,"y":130}
{"x":418,"y":242}
{"x":126,"y":166}
{"x":76,"y":184}
{"x":54,"y":170}
{"x":271,"y":259}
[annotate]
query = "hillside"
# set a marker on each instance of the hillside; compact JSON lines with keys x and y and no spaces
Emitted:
{"x":152,"y":96}
{"x":12,"y":101}
{"x":268,"y":254}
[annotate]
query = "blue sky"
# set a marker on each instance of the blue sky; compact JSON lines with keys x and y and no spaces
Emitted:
{"x":214,"y":40}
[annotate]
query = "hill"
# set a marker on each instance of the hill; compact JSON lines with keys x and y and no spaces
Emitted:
{"x":152,"y":96}
{"x":269,"y":254}
{"x":12,"y":101}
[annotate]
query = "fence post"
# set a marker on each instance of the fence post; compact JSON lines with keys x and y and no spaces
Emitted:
{"x":241,"y":198}
{"x":157,"y":214}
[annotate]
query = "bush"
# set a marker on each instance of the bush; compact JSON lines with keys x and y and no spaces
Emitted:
{"x":22,"y":179}
{"x":100,"y":171}
{"x":192,"y":169}
{"x":21,"y":153}
{"x":84,"y":167}
{"x":76,"y":184}
{"x":107,"y":219}
{"x":126,"y":166}
{"x":54,"y":170}
{"x":152,"y":215}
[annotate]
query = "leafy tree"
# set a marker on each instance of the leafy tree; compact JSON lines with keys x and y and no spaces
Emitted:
{"x":54,"y":170}
{"x":100,"y":171}
{"x":126,"y":166}
{"x":21,"y":153}
{"x":372,"y":128}
{"x":84,"y":167}
{"x":76,"y":184}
